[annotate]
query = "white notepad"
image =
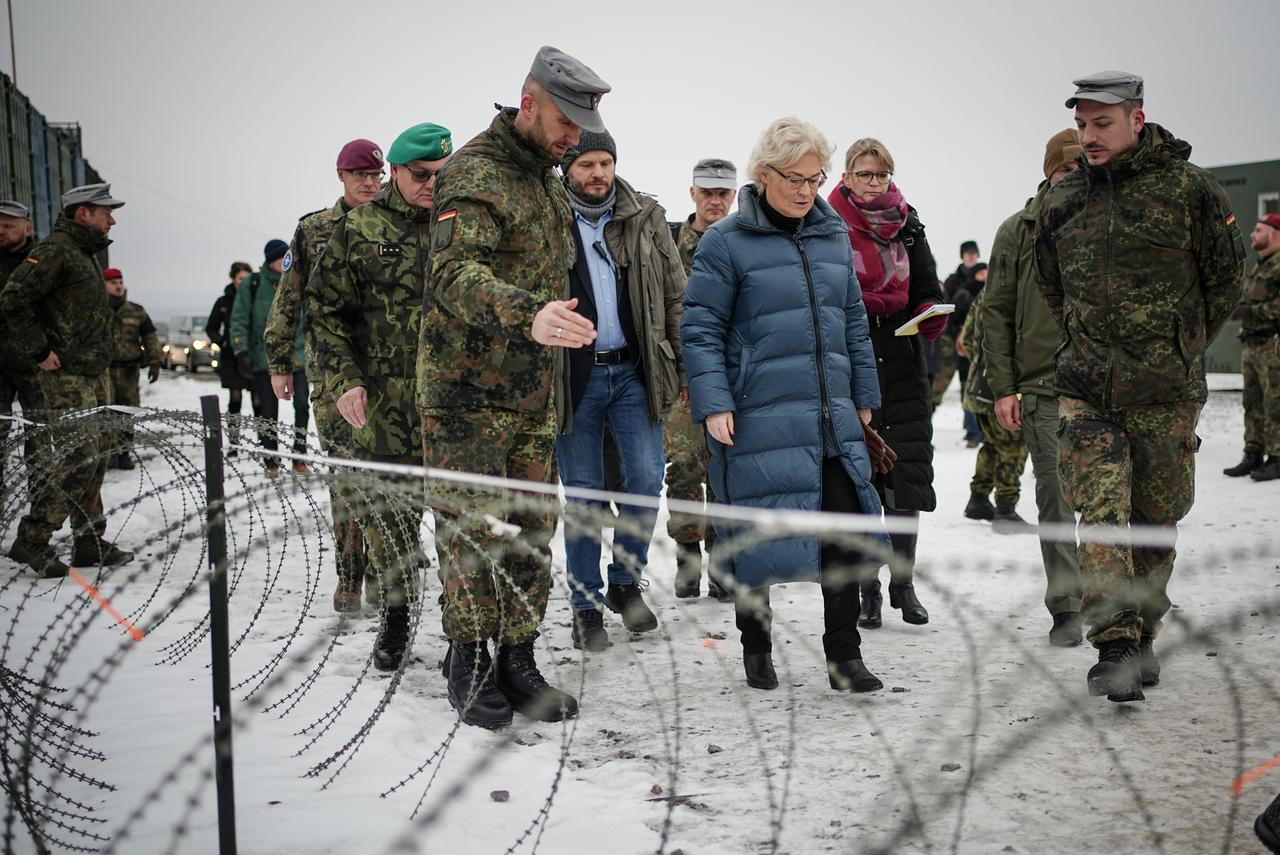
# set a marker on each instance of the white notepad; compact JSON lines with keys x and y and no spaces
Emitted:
{"x":912,"y":326}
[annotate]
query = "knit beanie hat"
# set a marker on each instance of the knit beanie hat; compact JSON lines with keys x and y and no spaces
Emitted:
{"x":590,"y":141}
{"x":274,"y":249}
{"x":1062,"y":148}
{"x":969,"y":246}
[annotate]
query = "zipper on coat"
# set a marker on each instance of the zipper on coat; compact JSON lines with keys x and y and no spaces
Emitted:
{"x":817,"y":334}
{"x":1109,"y":389}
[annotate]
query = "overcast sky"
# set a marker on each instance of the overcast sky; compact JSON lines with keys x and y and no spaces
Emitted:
{"x":219,"y":122}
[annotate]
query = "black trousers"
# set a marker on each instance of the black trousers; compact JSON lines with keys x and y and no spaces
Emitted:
{"x":267,"y":406}
{"x":841,"y":568}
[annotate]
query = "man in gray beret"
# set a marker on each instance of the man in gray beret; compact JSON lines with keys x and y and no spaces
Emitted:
{"x":60,"y":324}
{"x":17,"y":377}
{"x":1140,"y":261}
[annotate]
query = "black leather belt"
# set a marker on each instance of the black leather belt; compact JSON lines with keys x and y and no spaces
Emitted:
{"x":611,"y":357}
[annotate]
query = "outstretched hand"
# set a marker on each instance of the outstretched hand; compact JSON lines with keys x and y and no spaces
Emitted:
{"x":558,"y":325}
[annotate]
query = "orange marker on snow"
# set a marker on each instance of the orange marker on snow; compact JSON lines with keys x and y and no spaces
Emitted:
{"x":106,"y":606}
{"x":1238,"y":785}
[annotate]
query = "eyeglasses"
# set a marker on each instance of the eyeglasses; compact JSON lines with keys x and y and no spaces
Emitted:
{"x":363,"y":175}
{"x":422,"y":176}
{"x":873,"y":177}
{"x":795,"y":182}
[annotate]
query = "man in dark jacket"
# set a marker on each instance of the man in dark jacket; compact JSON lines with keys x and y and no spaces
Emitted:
{"x":961,"y":288}
{"x":628,"y":281}
{"x":1140,"y":261}
{"x":17,"y":378}
{"x":59,"y":321}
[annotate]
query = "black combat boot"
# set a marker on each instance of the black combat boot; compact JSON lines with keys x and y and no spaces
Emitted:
{"x":852,"y":676}
{"x":1268,"y":471}
{"x":472,"y":691}
{"x":1267,"y":826}
{"x":902,"y":595}
{"x":1251,"y":461}
{"x":1066,"y":631}
{"x":759,"y":668}
{"x":589,"y":631}
{"x":872,"y":602}
{"x":123,"y":460}
{"x":1116,"y":675}
{"x":41,"y":559}
{"x":1148,"y":664}
{"x":1006,"y":520}
{"x":393,"y":638}
{"x":96,"y":552}
{"x":524,"y":687}
{"x":979,"y":507}
{"x":626,"y":601}
{"x":688,"y":569}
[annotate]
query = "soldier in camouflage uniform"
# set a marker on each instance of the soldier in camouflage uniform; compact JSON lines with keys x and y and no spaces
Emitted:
{"x":59,"y":321}
{"x":17,"y":377}
{"x":714,"y":186}
{"x":359,"y":169}
{"x":501,"y":253}
{"x":1139,"y":259}
{"x":365,"y":311}
{"x":1259,"y":315}
{"x":134,"y":340}
{"x":1002,"y":455}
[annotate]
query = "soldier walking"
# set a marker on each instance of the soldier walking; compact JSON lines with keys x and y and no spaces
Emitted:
{"x":364,"y":313}
{"x":1139,"y":259}
{"x":17,"y":375}
{"x":60,"y":323}
{"x":134,"y":341}
{"x":360,"y":169}
{"x":1259,"y":314}
{"x":501,"y":253}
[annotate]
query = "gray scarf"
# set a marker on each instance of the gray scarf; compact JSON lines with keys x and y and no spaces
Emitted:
{"x":591,"y":213}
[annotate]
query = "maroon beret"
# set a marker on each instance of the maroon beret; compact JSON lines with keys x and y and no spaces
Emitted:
{"x":360,"y":154}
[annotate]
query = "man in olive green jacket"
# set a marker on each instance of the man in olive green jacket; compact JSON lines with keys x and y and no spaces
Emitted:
{"x":1019,"y":342}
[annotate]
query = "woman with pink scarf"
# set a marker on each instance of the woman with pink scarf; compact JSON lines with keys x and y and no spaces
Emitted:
{"x":899,"y":280}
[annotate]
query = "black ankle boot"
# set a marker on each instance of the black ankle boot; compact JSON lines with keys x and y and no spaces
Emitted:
{"x":524,"y":687}
{"x":852,"y":676}
{"x":759,"y":668}
{"x":1268,"y":471}
{"x":688,"y":569}
{"x":472,"y":691}
{"x":1117,"y":674}
{"x":979,"y":507}
{"x":392,"y":639}
{"x":1148,"y":664}
{"x":903,"y":596}
{"x":872,"y":602}
{"x":1251,"y":461}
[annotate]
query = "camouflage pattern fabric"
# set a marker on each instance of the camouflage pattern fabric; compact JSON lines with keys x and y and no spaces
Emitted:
{"x":1001,"y":458}
{"x":1260,"y":365}
{"x":365,"y":304}
{"x":494,"y":586}
{"x":686,"y":242}
{"x":12,"y":361}
{"x":122,"y":388}
{"x":344,"y":501}
{"x":55,"y":301}
{"x":71,"y":466}
{"x":687,"y":453}
{"x":501,"y":250}
{"x":391,"y":522}
{"x":1261,"y":299}
{"x":134,"y":337}
{"x":948,"y":364}
{"x":284,"y":323}
{"x":1132,"y":465}
{"x":1140,"y":262}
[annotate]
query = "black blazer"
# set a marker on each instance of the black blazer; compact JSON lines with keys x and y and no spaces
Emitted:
{"x":582,"y":359}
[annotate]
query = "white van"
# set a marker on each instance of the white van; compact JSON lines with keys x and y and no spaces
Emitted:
{"x":188,"y":345}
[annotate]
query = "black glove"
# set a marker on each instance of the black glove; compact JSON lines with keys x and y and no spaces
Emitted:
{"x":153,"y":373}
{"x":245,"y":365}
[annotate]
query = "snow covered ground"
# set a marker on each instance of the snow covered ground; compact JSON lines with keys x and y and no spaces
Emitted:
{"x":985,"y":739}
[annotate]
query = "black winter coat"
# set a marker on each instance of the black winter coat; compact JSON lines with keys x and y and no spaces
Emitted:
{"x":904,"y":417}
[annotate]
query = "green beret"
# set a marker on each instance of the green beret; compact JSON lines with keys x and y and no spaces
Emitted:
{"x":421,"y":142}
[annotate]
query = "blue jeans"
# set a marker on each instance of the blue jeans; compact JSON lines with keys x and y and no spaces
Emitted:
{"x":615,"y":395}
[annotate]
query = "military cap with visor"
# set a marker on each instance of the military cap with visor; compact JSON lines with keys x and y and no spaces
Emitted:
{"x":421,"y":142}
{"x":574,"y":87}
{"x":715,"y":173}
{"x":1107,"y":87}
{"x":91,"y":194}
{"x":17,"y":210}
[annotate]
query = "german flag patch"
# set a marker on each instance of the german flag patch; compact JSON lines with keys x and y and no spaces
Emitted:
{"x":31,"y":259}
{"x":447,"y":215}
{"x":1231,"y":218}
{"x":443,"y":233}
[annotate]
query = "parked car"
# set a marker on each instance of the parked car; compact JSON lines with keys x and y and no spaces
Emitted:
{"x":188,"y":345}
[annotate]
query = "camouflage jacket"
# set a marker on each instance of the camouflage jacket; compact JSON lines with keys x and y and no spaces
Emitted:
{"x":1140,"y":262}
{"x":56,"y":301}
{"x":687,"y":238}
{"x":134,"y":336}
{"x":284,"y":324}
{"x":1262,"y":299}
{"x":365,"y":303}
{"x":501,"y":250}
{"x":976,"y":395}
{"x":10,"y":360}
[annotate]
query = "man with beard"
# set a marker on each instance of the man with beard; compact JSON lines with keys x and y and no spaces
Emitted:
{"x":17,"y":377}
{"x":628,"y":282}
{"x":1140,"y":261}
{"x":59,"y":323}
{"x":359,"y":169}
{"x":502,"y":246}
{"x":134,"y":341}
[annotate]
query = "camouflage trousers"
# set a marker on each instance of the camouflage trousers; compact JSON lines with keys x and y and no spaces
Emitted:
{"x":67,"y":455}
{"x":391,"y":521}
{"x":1135,"y":465}
{"x":25,"y":389}
{"x":122,"y":387}
{"x":686,"y":446}
{"x":1001,"y":458}
{"x":496,"y":582}
{"x":348,"y":534}
{"x":1260,"y":365}
{"x":948,"y":362}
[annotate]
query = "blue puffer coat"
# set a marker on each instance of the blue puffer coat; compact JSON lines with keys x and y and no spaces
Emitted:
{"x":775,"y":331}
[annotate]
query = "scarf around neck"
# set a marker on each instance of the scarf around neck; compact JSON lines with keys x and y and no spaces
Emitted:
{"x":879,"y":255}
{"x":590,"y":212}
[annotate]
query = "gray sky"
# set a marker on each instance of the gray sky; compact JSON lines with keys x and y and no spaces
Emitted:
{"x":219,"y":122}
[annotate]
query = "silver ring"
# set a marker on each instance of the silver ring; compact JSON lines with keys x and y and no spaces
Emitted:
{"x":559,"y":332}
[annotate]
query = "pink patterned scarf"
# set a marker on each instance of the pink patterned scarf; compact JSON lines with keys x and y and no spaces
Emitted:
{"x":879,"y":257}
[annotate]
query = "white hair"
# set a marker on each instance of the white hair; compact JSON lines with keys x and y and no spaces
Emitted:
{"x":784,"y":143}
